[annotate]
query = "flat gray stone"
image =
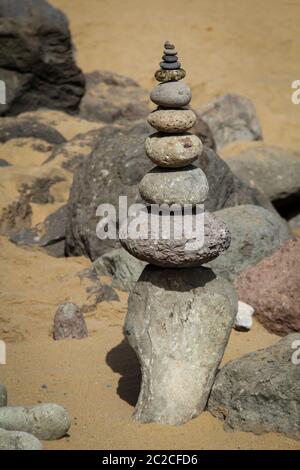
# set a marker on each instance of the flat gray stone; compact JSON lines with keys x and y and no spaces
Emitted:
{"x":16,"y":440}
{"x":172,"y":120}
{"x":171,"y":94}
{"x":173,"y":151}
{"x":186,"y":185}
{"x":260,"y":392}
{"x":3,"y":395}
{"x":172,"y":252}
{"x":46,"y":422}
{"x":178,"y":323}
{"x":170,"y":66}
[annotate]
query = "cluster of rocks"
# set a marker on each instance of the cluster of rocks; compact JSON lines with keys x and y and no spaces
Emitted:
{"x":22,"y":427}
{"x":178,"y":320}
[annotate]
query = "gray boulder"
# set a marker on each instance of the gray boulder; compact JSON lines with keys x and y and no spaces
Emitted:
{"x":231,"y":117}
{"x":21,"y":127}
{"x":47,"y":421}
{"x":69,"y":322}
{"x":178,"y":323}
{"x":16,"y":440}
{"x":36,"y":58}
{"x":116,"y":166}
{"x":255,"y":234}
{"x":3,"y":395}
{"x":272,"y":170}
{"x":260,"y":392}
{"x":111,"y":97}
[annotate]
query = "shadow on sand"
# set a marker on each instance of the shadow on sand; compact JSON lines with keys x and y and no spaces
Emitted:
{"x":122,"y":359}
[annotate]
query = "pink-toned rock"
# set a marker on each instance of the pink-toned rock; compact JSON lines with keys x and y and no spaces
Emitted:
{"x":69,"y":322}
{"x":272,"y":287}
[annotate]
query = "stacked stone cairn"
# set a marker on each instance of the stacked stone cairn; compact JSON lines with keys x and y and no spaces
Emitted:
{"x":180,"y":314}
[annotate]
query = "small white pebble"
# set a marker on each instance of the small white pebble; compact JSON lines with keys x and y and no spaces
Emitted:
{"x":243,"y":320}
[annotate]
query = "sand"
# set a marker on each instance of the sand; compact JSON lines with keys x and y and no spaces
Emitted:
{"x":248,"y":47}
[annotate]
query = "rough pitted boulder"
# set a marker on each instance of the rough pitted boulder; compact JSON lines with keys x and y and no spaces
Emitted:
{"x":116,"y":166}
{"x":272,"y":287}
{"x":231,"y":117}
{"x":36,"y":58}
{"x":111,"y":97}
{"x":178,"y":323}
{"x":69,"y":322}
{"x":260,"y":392}
{"x":255,"y":234}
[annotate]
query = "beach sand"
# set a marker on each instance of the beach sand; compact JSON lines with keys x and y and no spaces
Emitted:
{"x":248,"y":47}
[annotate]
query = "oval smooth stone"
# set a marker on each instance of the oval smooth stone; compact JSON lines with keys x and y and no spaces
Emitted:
{"x":186,"y":185}
{"x":172,"y":120}
{"x":170,"y":66}
{"x":173,"y":151}
{"x":171,"y":94}
{"x":170,"y":52}
{"x":180,"y":249}
{"x":169,"y":75}
{"x":169,"y":58}
{"x":168,"y":45}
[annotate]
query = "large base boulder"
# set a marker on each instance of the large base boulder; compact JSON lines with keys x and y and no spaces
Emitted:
{"x":260,"y":392}
{"x":178,"y":323}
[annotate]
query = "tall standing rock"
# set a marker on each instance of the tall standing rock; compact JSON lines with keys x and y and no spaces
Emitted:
{"x":178,"y":319}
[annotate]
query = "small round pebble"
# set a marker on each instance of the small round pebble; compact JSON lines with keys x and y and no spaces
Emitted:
{"x":243,"y":320}
{"x":47,"y":421}
{"x":168,"y":45}
{"x":3,"y":395}
{"x":173,"y":151}
{"x":169,"y":58}
{"x":170,"y":66}
{"x":16,"y":440}
{"x":169,"y":75}
{"x":170,"y":52}
{"x":186,"y":185}
{"x":171,"y":94}
{"x":172,"y":120}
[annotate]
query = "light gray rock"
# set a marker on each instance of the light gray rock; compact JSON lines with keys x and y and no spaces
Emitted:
{"x":186,"y":185}
{"x":3,"y":395}
{"x":272,"y":170}
{"x":231,"y":117}
{"x":177,"y":248}
{"x":173,"y":150}
{"x":69,"y":322}
{"x":260,"y":392}
{"x":255,"y":234}
{"x":15,"y":440}
{"x":178,"y":323}
{"x":47,"y":421}
{"x":121,"y":266}
{"x":243,"y":320}
{"x":171,"y":94}
{"x":172,"y":120}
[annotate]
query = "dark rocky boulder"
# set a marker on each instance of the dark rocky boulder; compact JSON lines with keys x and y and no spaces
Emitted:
{"x":116,"y":166}
{"x":18,"y":127}
{"x":36,"y":58}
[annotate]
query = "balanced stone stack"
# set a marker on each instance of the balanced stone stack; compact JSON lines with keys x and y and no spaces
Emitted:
{"x":178,"y":320}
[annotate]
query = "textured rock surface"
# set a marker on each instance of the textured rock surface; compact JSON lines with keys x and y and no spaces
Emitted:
{"x":22,"y":127}
{"x":231,"y":117}
{"x":116,"y":166}
{"x":172,"y":120}
{"x":37,"y":58}
{"x":255,"y":234}
{"x":186,"y":185}
{"x":243,"y":320}
{"x":272,"y":286}
{"x":50,"y":234}
{"x":169,"y":75}
{"x":111,"y":97}
{"x":15,"y":440}
{"x":69,"y":322}
{"x":172,"y":252}
{"x":260,"y":392}
{"x":47,"y":421}
{"x":178,"y":323}
{"x":3,"y":395}
{"x":171,"y":94}
{"x":121,"y":266}
{"x":172,"y":150}
{"x":273,"y":170}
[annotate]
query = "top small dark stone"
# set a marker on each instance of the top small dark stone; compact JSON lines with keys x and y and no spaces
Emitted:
{"x":168,"y":45}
